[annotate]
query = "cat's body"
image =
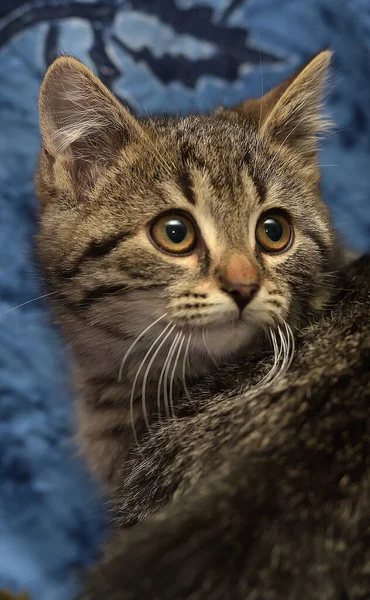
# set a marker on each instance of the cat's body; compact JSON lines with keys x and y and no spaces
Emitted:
{"x":184,"y":256}
{"x":318,"y":407}
{"x":271,"y":494}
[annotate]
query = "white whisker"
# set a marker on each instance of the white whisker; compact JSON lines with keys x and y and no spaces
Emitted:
{"x":132,"y":395}
{"x":172,"y":408}
{"x":159,"y":387}
{"x":167,"y":368}
{"x":288,"y":347}
{"x":165,"y":152}
{"x":160,"y":157}
{"x":292,"y":340}
{"x":27,"y":302}
{"x":134,"y":344}
{"x":283,"y":357}
{"x":186,"y":354}
{"x":277,"y":354}
{"x":206,"y":347}
{"x":146,"y":374}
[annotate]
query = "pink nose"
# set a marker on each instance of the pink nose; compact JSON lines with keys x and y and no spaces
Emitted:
{"x":241,"y":293}
{"x":240,"y":279}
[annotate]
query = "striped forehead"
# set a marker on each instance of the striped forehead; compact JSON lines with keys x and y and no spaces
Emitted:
{"x":222,"y":208}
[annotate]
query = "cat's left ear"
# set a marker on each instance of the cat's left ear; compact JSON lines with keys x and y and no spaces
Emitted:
{"x":81,"y":121}
{"x":290,"y":113}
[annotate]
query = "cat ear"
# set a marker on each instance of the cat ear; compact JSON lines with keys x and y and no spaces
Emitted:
{"x":290,"y":113}
{"x":80,"y":119}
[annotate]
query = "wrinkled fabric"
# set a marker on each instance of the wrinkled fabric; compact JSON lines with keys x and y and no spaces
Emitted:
{"x":173,"y":56}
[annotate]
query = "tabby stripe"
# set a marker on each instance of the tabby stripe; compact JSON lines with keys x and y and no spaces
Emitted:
{"x":134,"y":274}
{"x":190,"y":156}
{"x":78,"y":310}
{"x":96,"y":249}
{"x":260,"y":187}
{"x":205,"y":263}
{"x":99,"y":292}
{"x":186,"y":186}
{"x":259,"y":184}
{"x":107,"y":290}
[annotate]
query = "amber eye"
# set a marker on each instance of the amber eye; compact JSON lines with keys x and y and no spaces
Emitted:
{"x":274,"y":232}
{"x":174,"y":233}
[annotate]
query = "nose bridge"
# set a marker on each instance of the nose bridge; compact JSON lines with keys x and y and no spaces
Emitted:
{"x":240,"y":269}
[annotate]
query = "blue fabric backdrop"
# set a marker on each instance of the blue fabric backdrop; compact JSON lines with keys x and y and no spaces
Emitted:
{"x":171,"y":56}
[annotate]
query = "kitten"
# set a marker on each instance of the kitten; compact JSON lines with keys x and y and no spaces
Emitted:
{"x":172,"y":246}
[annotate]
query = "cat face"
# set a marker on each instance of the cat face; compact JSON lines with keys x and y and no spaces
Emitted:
{"x":206,"y":227}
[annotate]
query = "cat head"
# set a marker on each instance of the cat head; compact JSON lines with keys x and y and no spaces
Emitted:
{"x":211,"y":226}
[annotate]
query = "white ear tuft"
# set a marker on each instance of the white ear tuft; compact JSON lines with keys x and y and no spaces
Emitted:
{"x":290,"y":113}
{"x":79,"y":117}
{"x":294,"y":118}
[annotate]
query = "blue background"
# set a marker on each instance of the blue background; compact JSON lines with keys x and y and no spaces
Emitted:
{"x":171,"y":56}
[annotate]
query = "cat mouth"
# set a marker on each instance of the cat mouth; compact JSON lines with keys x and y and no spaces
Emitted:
{"x":231,"y":320}
{"x":218,"y":320}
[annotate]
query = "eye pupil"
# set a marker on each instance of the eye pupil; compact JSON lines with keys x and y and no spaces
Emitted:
{"x":176,"y":231}
{"x":273,"y":229}
{"x":274,"y":232}
{"x":174,"y":234}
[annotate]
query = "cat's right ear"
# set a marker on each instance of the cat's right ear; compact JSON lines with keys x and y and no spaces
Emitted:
{"x":81,"y":120}
{"x":291,"y":113}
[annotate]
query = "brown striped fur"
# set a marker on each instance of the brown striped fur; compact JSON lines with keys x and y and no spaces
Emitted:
{"x":262,"y":497}
{"x":104,"y":175}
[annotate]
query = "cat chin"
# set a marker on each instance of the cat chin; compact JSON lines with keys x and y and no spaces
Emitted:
{"x":224,"y":341}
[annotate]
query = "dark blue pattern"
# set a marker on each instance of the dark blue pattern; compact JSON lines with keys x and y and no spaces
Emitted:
{"x":159,"y":56}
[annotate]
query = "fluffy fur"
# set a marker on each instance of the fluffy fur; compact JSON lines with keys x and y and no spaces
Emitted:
{"x":104,"y":176}
{"x":262,"y":497}
{"x":252,"y":455}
